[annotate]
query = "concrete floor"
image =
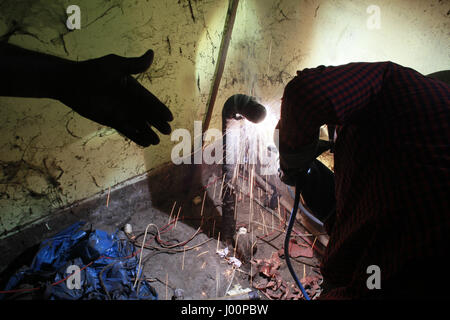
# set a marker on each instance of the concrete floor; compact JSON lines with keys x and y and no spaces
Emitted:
{"x":200,"y":272}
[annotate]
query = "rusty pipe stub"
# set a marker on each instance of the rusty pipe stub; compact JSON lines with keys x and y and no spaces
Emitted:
{"x":237,"y":107}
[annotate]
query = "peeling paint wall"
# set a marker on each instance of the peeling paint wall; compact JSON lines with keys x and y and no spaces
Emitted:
{"x":273,"y":39}
{"x":51,"y":157}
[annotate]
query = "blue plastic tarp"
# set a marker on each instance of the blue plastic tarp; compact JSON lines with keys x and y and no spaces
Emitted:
{"x":95,"y":254}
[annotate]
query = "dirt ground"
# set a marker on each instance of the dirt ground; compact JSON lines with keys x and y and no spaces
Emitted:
{"x":197,"y":269}
{"x":182,"y":204}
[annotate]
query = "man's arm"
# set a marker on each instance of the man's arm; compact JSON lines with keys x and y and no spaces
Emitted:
{"x":323,"y":95}
{"x":25,"y":73}
{"x":102,"y":90}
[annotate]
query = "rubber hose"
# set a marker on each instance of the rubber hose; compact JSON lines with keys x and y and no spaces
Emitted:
{"x":304,"y":210}
{"x":286,"y":241}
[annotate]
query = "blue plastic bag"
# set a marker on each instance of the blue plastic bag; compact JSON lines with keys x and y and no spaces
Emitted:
{"x":95,"y":254}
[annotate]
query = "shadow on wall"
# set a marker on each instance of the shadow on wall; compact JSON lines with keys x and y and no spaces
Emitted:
{"x":173,"y":187}
{"x":267,"y":45}
{"x":51,"y":157}
{"x":186,"y":193}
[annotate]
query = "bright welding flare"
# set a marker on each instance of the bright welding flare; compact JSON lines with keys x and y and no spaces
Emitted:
{"x":254,"y":142}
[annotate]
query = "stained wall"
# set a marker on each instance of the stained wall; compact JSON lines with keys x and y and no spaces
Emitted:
{"x":51,"y":157}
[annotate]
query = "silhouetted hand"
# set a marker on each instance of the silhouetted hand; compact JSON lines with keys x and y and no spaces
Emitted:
{"x":104,"y":91}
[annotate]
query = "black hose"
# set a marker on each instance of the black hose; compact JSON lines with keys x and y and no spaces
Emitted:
{"x":286,"y":240}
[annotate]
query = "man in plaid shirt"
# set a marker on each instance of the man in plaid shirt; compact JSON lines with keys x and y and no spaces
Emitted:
{"x":392,"y":174}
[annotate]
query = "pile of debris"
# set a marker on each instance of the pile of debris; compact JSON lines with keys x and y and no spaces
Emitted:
{"x":274,"y":287}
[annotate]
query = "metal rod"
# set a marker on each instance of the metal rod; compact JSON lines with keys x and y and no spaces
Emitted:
{"x":227,"y":31}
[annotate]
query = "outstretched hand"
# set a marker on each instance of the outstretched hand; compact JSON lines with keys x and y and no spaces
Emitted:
{"x":104,"y":91}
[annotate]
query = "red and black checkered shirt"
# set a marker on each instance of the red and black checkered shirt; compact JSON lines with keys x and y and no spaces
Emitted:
{"x":392,"y":171}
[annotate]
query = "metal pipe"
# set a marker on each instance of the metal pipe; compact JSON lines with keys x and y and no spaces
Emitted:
{"x":226,"y":37}
{"x":237,"y":107}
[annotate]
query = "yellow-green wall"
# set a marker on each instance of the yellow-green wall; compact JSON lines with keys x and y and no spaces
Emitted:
{"x":51,"y":157}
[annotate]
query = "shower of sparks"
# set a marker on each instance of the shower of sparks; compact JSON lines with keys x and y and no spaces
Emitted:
{"x":178,"y":216}
{"x":203,"y":203}
{"x":218,"y":241}
{"x":204,"y":252}
{"x":264,"y":222}
{"x":279,"y":209}
{"x":247,"y":144}
{"x":272,"y":221}
{"x":214,"y":193}
{"x":221,"y":187}
{"x":235,"y":247}
{"x":270,"y":54}
{"x":252,"y":175}
{"x":251,"y":264}
{"x":107,"y":200}
{"x":235,"y":208}
{"x":184,"y":254}
{"x":167,"y":284}
{"x":217,"y":281}
{"x":315,"y":239}
{"x":171,"y":212}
